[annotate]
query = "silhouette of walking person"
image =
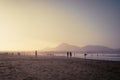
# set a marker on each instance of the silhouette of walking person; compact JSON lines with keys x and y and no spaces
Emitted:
{"x":67,"y":54}
{"x":36,"y":53}
{"x":70,"y":54}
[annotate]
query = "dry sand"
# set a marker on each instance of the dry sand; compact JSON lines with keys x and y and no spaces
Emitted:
{"x":57,"y":68}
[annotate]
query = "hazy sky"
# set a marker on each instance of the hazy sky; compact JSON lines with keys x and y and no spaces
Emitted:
{"x":36,"y":24}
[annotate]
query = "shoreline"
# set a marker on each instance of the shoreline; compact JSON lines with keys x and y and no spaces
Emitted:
{"x":48,"y":57}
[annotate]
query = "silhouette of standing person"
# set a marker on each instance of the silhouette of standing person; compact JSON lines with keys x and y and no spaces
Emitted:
{"x":67,"y":54}
{"x":70,"y":54}
{"x":19,"y":54}
{"x":36,"y":53}
{"x":85,"y":55}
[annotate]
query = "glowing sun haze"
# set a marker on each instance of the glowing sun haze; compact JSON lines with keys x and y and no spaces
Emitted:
{"x":36,"y":24}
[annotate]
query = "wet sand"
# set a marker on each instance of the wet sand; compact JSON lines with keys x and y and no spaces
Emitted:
{"x":57,"y":68}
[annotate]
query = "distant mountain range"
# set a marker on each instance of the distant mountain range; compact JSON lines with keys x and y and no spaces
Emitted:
{"x":63,"y":47}
{"x":96,"y":48}
{"x":88,"y":48}
{"x":67,"y":47}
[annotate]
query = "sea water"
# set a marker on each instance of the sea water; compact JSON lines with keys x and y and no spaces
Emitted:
{"x":96,"y":56}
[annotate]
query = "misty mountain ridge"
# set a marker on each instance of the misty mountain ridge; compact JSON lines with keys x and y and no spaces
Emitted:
{"x":96,"y":48}
{"x":64,"y":47}
{"x":88,"y":48}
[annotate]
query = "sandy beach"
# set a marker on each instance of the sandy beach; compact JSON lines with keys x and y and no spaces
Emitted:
{"x":57,"y":68}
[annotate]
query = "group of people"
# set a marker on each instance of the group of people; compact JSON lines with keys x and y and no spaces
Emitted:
{"x":69,"y":54}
